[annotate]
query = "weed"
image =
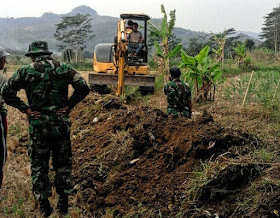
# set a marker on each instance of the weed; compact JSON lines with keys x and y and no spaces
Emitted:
{"x":179,"y":215}
{"x":200,"y":179}
{"x":159,"y":83}
{"x":243,"y":205}
{"x":18,"y":208}
{"x":133,"y":95}
{"x":83,"y":66}
{"x":159,"y":213}
{"x":7,"y":210}
{"x":264,"y":155}
{"x":15,"y":130}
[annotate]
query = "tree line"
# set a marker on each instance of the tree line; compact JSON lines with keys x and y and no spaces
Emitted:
{"x":271,"y":30}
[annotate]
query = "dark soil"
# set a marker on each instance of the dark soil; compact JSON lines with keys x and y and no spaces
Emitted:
{"x":136,"y":161}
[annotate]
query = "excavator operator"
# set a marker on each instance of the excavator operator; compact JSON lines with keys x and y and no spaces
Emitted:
{"x":135,"y":40}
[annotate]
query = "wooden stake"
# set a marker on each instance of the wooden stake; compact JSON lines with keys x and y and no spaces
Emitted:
{"x":247,"y":89}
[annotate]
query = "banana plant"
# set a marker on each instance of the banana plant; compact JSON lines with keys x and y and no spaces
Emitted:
{"x":206,"y":75}
{"x":166,"y":56}
{"x":162,"y":35}
{"x":240,"y":52}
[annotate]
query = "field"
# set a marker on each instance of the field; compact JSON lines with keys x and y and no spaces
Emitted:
{"x":131,"y":160}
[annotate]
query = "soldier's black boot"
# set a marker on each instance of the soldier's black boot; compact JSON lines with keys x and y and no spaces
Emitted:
{"x":45,"y":207}
{"x":62,"y":204}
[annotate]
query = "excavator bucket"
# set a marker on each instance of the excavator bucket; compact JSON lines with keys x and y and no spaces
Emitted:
{"x":129,"y":80}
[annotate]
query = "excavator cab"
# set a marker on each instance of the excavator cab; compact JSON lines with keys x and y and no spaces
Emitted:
{"x":113,"y":64}
{"x":141,"y":20}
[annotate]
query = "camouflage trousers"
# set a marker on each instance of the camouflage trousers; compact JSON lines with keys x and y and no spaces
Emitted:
{"x":177,"y":113}
{"x":49,"y":136}
{"x":3,"y":144}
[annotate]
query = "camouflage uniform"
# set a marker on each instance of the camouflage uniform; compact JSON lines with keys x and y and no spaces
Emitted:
{"x":45,"y":82}
{"x":178,"y":95}
{"x":3,"y":117}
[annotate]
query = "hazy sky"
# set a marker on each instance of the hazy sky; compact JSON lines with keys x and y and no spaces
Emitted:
{"x":197,"y":15}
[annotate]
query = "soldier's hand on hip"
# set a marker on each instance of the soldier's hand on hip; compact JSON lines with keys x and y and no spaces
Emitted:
{"x":32,"y":114}
{"x":64,"y":111}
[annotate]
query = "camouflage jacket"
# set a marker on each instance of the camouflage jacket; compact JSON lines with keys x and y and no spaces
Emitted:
{"x":178,"y":95}
{"x":2,"y":82}
{"x":45,"y":82}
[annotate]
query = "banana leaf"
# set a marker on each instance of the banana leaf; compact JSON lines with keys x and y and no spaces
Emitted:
{"x":215,"y":67}
{"x":159,"y":50}
{"x":164,"y":25}
{"x":175,"y":51}
{"x":171,"y":22}
{"x":155,"y":32}
{"x":188,"y":60}
{"x":203,"y":54}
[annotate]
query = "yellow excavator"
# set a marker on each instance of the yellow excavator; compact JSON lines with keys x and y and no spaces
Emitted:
{"x":114,"y":65}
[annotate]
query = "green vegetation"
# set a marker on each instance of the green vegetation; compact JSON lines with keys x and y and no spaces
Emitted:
{"x":15,"y":62}
{"x":73,"y":32}
{"x":14,"y":130}
{"x":86,"y":65}
{"x":161,"y":38}
{"x":242,"y":58}
{"x":265,"y":155}
{"x":205,"y":74}
{"x":263,"y":90}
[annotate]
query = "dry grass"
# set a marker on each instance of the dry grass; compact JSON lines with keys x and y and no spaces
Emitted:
{"x":258,"y":121}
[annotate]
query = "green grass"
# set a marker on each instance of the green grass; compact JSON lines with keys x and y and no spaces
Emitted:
{"x":159,"y":83}
{"x":17,"y":61}
{"x":15,"y":130}
{"x":83,"y":66}
{"x":264,"y":155}
{"x":263,"y":90}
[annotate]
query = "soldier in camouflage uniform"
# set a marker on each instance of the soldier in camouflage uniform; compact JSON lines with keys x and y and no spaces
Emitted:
{"x":178,"y":95}
{"x":3,"y":119}
{"x":45,"y":82}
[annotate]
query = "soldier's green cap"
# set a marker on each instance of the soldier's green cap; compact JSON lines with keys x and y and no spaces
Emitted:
{"x":38,"y":48}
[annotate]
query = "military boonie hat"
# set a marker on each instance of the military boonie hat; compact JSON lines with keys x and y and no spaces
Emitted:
{"x":38,"y":48}
{"x":3,"y":53}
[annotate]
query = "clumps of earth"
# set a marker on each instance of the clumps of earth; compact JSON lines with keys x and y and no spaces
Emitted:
{"x":135,"y":161}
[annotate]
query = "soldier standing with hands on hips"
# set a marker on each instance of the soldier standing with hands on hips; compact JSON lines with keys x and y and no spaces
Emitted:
{"x":46,"y":82}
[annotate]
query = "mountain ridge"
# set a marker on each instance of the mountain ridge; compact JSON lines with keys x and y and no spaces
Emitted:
{"x":17,"y":33}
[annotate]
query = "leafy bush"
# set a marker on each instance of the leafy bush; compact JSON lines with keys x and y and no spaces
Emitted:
{"x":205,"y":74}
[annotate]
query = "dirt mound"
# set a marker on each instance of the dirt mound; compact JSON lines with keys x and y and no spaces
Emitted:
{"x":136,"y":161}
